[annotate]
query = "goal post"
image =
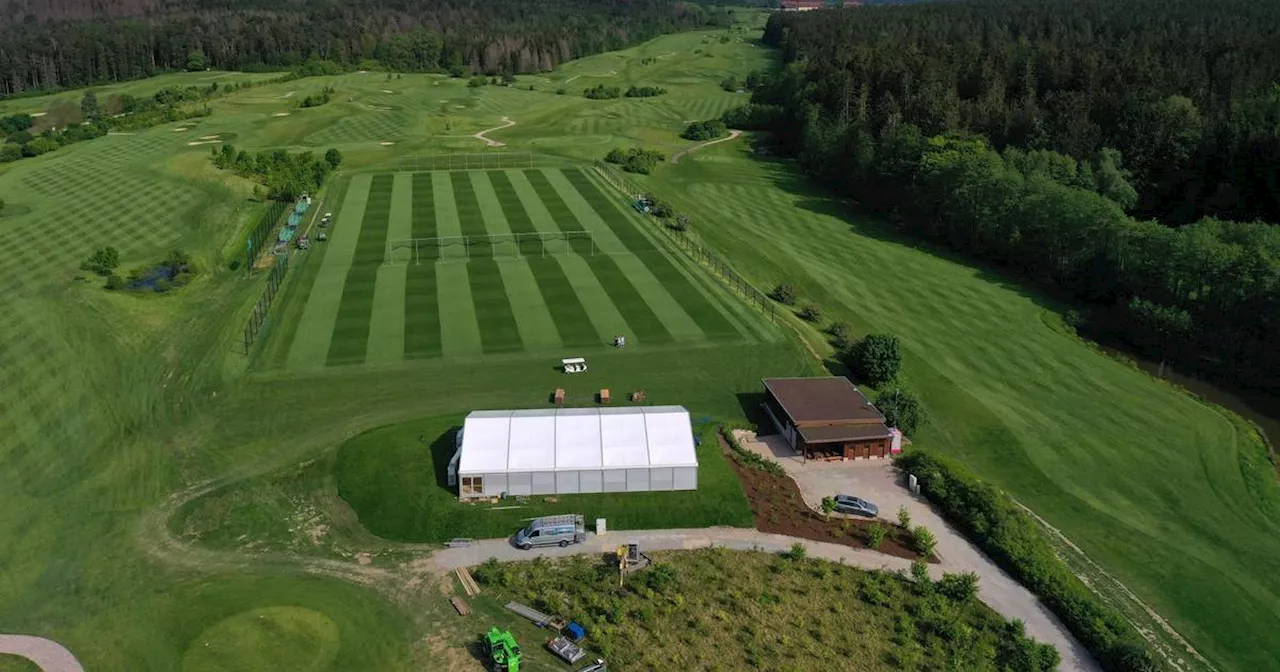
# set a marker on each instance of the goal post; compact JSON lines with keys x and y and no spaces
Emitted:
{"x":533,"y":244}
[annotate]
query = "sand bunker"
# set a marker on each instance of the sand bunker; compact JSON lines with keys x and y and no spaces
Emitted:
{"x":386,"y":144}
{"x":37,"y":114}
{"x":181,"y":129}
{"x":193,"y":143}
{"x":288,"y":95}
{"x":386,"y":91}
{"x":209,"y":137}
{"x":280,"y":114}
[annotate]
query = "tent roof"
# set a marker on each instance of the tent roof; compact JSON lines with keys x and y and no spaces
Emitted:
{"x":577,"y":438}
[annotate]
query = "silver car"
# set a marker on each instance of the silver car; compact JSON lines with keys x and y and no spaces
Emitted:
{"x":858,"y":507}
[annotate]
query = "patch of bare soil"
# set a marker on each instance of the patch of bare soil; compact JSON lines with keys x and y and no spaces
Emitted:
{"x":780,"y":509}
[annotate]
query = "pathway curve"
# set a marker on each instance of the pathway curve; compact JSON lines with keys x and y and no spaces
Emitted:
{"x":47,"y":654}
{"x":592,"y":74}
{"x":880,"y":482}
{"x":506,"y":123}
{"x":733,"y":135}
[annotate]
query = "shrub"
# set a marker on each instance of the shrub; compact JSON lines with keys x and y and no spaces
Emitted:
{"x":705,"y":130}
{"x":876,"y":534}
{"x":841,"y":335}
{"x":730,"y":84}
{"x":645,"y":91}
{"x":679,"y":223}
{"x":102,"y":261}
{"x":797,"y":552}
{"x":477,"y":82}
{"x":602,"y":92}
{"x":784,"y":293}
{"x":828,"y":505}
{"x":904,"y":517}
{"x":635,"y":160}
{"x":748,"y":458}
{"x":923,"y":541}
{"x":920,"y":574}
{"x":959,"y":587}
{"x":811,"y":312}
{"x":1013,"y":540}
{"x":1073,"y":319}
{"x":114,"y":281}
{"x":901,"y":409}
{"x":876,"y":359}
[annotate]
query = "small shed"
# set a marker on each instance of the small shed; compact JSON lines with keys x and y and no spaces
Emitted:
{"x":575,"y":450}
{"x":828,"y":418}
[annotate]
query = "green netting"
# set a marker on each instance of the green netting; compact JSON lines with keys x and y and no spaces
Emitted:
{"x":286,"y":234}
{"x":295,"y":219}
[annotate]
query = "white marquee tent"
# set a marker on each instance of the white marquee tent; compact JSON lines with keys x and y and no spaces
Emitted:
{"x":574,"y":450}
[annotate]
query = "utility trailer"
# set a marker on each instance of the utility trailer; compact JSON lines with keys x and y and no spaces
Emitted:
{"x":565,"y":649}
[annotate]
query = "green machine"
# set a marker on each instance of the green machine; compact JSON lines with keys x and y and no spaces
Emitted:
{"x":504,"y":652}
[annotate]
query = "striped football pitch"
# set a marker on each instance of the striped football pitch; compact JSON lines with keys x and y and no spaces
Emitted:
{"x":480,"y":263}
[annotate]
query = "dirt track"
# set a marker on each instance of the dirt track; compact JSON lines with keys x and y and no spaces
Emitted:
{"x":733,"y":135}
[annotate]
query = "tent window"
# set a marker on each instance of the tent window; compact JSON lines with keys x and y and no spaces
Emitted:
{"x":473,"y":485}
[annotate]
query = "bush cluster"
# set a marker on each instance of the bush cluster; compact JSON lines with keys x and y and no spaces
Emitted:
{"x":748,"y":458}
{"x":902,"y":409}
{"x":784,"y":293}
{"x":318,"y":99}
{"x":645,"y":91}
{"x":285,"y":175}
{"x":1009,"y":536}
{"x":705,"y":130}
{"x":602,"y":92}
{"x":635,"y":160}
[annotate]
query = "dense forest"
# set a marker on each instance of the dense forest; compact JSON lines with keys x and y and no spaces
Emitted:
{"x":52,"y":45}
{"x":1122,"y":151}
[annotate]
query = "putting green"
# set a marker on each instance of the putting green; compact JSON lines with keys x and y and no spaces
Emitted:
{"x":268,"y":639}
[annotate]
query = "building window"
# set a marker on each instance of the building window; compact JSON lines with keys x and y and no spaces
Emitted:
{"x":472,"y":485}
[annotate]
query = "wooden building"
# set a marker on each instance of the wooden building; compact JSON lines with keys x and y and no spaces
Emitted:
{"x":828,"y":418}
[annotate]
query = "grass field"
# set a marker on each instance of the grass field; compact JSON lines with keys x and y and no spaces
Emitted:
{"x":379,"y":298}
{"x":163,"y":491}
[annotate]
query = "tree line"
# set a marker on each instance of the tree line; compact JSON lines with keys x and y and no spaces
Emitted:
{"x":1185,"y":90}
{"x":78,"y":43}
{"x":937,"y":135}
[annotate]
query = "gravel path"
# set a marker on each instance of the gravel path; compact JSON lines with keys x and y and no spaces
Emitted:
{"x":675,"y":158}
{"x":49,"y":655}
{"x":880,"y":482}
{"x":506,"y":123}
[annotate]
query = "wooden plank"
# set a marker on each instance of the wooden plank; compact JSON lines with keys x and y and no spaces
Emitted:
{"x":460,"y":605}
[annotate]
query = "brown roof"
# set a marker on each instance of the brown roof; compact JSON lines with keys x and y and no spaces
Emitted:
{"x":832,"y":400}
{"x":842,"y":433}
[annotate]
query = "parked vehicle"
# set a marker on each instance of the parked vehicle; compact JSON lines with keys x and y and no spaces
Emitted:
{"x":856,"y":506}
{"x":597,"y":666}
{"x":552,"y":530}
{"x":565,"y":649}
{"x":504,"y":652}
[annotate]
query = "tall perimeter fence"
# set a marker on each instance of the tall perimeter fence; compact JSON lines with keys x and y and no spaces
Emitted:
{"x":693,"y":249}
{"x":485,"y":161}
{"x":261,"y":233}
{"x":258,"y":320}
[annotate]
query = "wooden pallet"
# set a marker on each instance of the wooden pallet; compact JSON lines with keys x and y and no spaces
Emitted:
{"x":460,"y":605}
{"x":468,"y":583}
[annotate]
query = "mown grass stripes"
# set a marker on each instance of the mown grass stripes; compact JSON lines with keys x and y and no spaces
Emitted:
{"x":562,"y":301}
{"x":421,"y":304}
{"x":498,"y":330}
{"x":712,"y":322}
{"x":351,"y":328}
{"x":643,"y":322}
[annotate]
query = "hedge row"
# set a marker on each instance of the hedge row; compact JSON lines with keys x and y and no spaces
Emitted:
{"x":1008,"y":535}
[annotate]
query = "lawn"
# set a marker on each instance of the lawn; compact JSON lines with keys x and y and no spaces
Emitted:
{"x":1170,"y":495}
{"x":408,"y":249}
{"x":717,"y":609}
